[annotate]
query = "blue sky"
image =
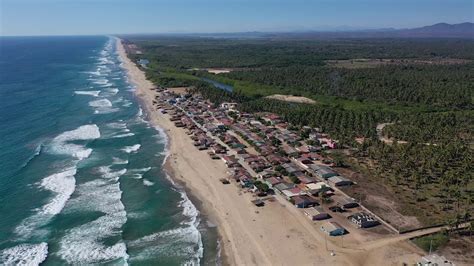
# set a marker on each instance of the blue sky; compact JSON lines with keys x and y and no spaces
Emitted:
{"x":73,"y":17}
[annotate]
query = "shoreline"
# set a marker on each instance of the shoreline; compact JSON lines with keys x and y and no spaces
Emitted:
{"x":277,"y":234}
{"x":142,"y":84}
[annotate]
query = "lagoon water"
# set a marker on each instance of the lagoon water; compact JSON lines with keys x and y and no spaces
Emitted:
{"x":81,"y":178}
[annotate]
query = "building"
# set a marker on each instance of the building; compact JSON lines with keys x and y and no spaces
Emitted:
{"x":143,"y":63}
{"x":333,"y":229}
{"x":322,"y":171}
{"x":316,"y":188}
{"x":284,"y":186}
{"x":292,"y":192}
{"x":229,"y":106}
{"x":363,"y":220}
{"x":316,"y":213}
{"x":348,"y":203}
{"x":272,"y":181}
{"x":304,"y":201}
{"x":339,"y":181}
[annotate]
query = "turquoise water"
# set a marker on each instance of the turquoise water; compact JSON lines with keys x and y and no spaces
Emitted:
{"x":81,"y":177}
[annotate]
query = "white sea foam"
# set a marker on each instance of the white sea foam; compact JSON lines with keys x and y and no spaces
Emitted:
{"x":101,"y":81}
{"x":91,"y":93}
{"x":106,"y":110}
{"x":183,"y":241}
{"x":108,"y":173}
{"x":124,"y":135}
{"x":163,"y":138}
{"x":119,"y":161}
{"x":117,"y":125}
{"x":147,"y":183}
{"x":113,"y":91}
{"x":133,"y":148}
{"x":178,"y":242}
{"x":138,"y":173}
{"x":62,"y":185}
{"x":137,"y":176}
{"x":192,"y":213}
{"x":100,"y":103}
{"x":95,"y":73}
{"x":143,"y":170}
{"x":83,"y":244}
{"x":24,"y":254}
{"x":61,"y":144}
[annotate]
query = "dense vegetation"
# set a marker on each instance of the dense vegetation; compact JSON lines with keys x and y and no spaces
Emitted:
{"x":428,"y":107}
{"x":193,"y":52}
{"x":437,"y":86}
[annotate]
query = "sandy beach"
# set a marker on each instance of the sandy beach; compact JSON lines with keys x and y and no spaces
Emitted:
{"x":277,"y":234}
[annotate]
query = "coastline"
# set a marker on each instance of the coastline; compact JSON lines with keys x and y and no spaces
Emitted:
{"x":274,"y":235}
{"x":138,"y":79}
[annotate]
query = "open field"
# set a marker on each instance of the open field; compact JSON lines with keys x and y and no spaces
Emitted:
{"x":291,"y":98}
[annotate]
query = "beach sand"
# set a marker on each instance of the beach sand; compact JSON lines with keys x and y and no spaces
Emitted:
{"x":277,"y":234}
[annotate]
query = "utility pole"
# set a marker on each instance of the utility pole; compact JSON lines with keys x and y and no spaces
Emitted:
{"x":431,"y":243}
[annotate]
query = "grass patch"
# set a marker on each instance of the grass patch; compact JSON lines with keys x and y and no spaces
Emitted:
{"x":436,"y":241}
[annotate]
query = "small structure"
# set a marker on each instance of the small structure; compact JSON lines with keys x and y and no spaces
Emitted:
{"x":316,"y":213}
{"x":292,"y":192}
{"x":322,"y":171}
{"x":304,"y":201}
{"x":258,"y":202}
{"x":272,"y":181}
{"x":283,"y":186}
{"x":363,"y":220}
{"x":333,"y":229}
{"x":348,"y":203}
{"x":316,"y":188}
{"x":229,"y":106}
{"x":339,"y":181}
{"x":143,"y":62}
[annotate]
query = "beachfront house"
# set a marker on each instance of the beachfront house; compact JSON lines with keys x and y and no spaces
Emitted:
{"x":348,"y":203}
{"x":317,"y":188}
{"x":283,"y":186}
{"x":304,"y":201}
{"x":333,"y":229}
{"x":322,"y":171}
{"x":272,"y":181}
{"x":363,"y":220}
{"x":316,"y":213}
{"x":339,"y":181}
{"x":292,"y":192}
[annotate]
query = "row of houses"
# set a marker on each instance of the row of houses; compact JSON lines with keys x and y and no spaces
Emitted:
{"x":285,"y":163}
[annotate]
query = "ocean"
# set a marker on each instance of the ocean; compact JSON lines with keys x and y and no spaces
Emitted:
{"x":81,"y":169}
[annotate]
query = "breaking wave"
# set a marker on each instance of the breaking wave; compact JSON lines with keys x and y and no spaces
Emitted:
{"x":147,"y":183}
{"x":133,"y":148}
{"x":85,"y":243}
{"x":25,"y":254}
{"x":100,"y":103}
{"x":62,"y":185}
{"x":91,"y":93}
{"x":62,"y":143}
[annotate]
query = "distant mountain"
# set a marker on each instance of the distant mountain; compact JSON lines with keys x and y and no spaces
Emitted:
{"x":462,"y":30}
{"x":440,"y":30}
